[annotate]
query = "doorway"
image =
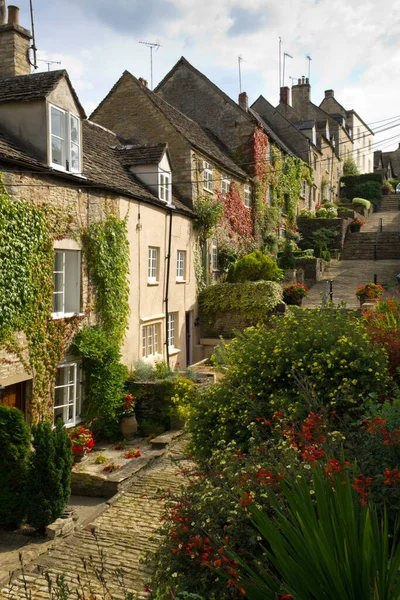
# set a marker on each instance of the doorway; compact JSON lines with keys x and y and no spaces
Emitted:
{"x":14,"y":396}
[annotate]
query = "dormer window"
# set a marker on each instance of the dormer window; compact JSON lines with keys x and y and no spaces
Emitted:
{"x":65,"y":140}
{"x":165,"y":187}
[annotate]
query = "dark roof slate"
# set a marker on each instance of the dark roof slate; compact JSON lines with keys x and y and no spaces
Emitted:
{"x":141,"y":154}
{"x":269,"y":131}
{"x":304,"y":124}
{"x":36,"y":86}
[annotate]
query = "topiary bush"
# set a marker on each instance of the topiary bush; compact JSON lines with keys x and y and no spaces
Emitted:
{"x":302,"y":360}
{"x":47,"y":481}
{"x":15,"y":445}
{"x":361,"y":202}
{"x":256,"y":266}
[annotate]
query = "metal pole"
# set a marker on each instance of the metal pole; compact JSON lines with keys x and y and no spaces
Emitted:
{"x":280,"y":66}
{"x":240,"y":74}
{"x":375,"y":279}
{"x":151,"y":67}
{"x":331,"y":290}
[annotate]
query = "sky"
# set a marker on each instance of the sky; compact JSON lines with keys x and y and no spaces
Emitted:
{"x":354,"y":47}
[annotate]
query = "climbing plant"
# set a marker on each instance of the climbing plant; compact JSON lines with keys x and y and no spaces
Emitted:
{"x":27,"y":330}
{"x":208,"y":212}
{"x":107,"y":252}
{"x":235,"y":232}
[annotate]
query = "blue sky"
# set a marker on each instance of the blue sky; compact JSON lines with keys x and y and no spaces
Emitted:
{"x":352,"y":44}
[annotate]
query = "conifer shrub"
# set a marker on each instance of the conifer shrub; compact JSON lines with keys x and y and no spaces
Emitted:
{"x":287,"y":260}
{"x":47,"y":480}
{"x":64,"y":459}
{"x":14,"y":444}
{"x":256,"y":266}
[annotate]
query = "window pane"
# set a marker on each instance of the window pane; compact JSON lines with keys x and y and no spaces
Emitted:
{"x":57,"y":122}
{"x":58,"y":261}
{"x":75,"y":164}
{"x":75,"y":130}
{"x":61,"y":398}
{"x":58,"y":303}
{"x":57,"y":148}
{"x":58,"y":280}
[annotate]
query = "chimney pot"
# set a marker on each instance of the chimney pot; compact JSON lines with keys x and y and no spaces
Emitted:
{"x":285,"y":95}
{"x":2,"y":12}
{"x":144,"y":82}
{"x":244,"y":101}
{"x":13,"y":15}
{"x":329,"y":94}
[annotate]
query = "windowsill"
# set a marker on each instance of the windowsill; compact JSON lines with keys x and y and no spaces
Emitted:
{"x":64,"y":170}
{"x":151,"y":283}
{"x":55,"y":316}
{"x":77,"y":421}
{"x":173,"y":351}
{"x":180,"y":281}
{"x":207,"y":190}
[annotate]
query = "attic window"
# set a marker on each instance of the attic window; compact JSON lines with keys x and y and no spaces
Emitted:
{"x":65,"y":140}
{"x":165,"y":187}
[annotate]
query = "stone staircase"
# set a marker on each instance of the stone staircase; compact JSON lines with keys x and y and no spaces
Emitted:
{"x":390,"y":203}
{"x":360,"y":246}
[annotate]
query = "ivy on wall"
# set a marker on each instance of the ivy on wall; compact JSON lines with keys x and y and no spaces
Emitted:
{"x":28,"y":232}
{"x":107,"y":252}
{"x":235,"y":232}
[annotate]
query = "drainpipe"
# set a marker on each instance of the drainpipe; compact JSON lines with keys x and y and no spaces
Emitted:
{"x":168,"y":257}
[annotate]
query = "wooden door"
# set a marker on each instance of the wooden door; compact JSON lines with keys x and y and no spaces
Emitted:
{"x":13,"y":396}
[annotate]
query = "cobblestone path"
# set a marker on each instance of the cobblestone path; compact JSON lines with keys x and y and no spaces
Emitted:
{"x":124,"y":533}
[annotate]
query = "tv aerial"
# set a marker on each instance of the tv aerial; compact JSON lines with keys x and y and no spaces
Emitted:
{"x":151,"y":45}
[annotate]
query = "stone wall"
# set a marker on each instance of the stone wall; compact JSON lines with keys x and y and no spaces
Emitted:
{"x":307,"y":227}
{"x":14,"y":48}
{"x":313,"y":268}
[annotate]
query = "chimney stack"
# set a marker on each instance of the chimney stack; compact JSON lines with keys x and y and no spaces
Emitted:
{"x":2,"y":12}
{"x":15,"y":43}
{"x":13,"y":15}
{"x":244,"y":101}
{"x":301,"y":98}
{"x":284,"y":95}
{"x":329,"y":94}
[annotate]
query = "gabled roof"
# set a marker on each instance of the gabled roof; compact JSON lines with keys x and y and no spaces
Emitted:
{"x":101,"y":165}
{"x":269,"y":131}
{"x":141,"y":154}
{"x":37,"y":86}
{"x":188,"y":128}
{"x":186,"y":63}
{"x":304,"y":124}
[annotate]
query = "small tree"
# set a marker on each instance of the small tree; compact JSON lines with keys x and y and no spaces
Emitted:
{"x":14,"y":444}
{"x":287,"y":260}
{"x":64,"y":459}
{"x":46,"y":481}
{"x":350,"y":167}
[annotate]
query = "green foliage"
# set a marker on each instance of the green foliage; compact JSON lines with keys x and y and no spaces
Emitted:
{"x":105,"y":378}
{"x":329,"y":350}
{"x":324,"y":235}
{"x":107,"y":252}
{"x":14,"y":444}
{"x":361,"y":202}
{"x":350,"y":167}
{"x":321,"y":251}
{"x":256,"y":299}
{"x":182,"y":397}
{"x":326,"y":547}
{"x":370,"y":190}
{"x":64,"y":459}
{"x":256,"y":266}
{"x":306,"y":214}
{"x":287,"y":260}
{"x":351,"y":181}
{"x":143,"y":371}
{"x":46,"y":493}
{"x":208,"y":213}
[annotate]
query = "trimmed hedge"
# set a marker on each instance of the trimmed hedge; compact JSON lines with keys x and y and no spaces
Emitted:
{"x":361,"y":202}
{"x":15,"y":447}
{"x":256,"y":299}
{"x":256,"y":266}
{"x":353,"y":180}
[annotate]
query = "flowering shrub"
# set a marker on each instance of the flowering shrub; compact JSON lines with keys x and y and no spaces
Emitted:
{"x":81,"y":439}
{"x":300,"y":360}
{"x":294,"y":293}
{"x":129,"y":406}
{"x":370,"y":291}
{"x":383,"y":325}
{"x":359,"y":222}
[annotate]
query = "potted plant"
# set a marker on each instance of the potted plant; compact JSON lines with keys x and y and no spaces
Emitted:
{"x":129,"y":425}
{"x":82,"y":442}
{"x":356,"y":225}
{"x":369,"y":291}
{"x":386,"y":189}
{"x":294,"y":293}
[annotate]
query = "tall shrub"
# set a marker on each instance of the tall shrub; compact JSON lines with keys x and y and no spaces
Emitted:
{"x":14,"y":444}
{"x":64,"y":459}
{"x":256,"y":266}
{"x":45,"y":489}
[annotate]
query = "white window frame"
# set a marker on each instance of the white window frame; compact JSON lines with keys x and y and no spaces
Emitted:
{"x":172,"y":323}
{"x":153,"y":264}
{"x":214,"y":254}
{"x":67,"y":141}
{"x":74,"y":394}
{"x":207,"y":176}
{"x":303,"y":188}
{"x":164,"y":186}
{"x":247,"y":195}
{"x":151,"y":334}
{"x":180,"y":265}
{"x":225,"y":184}
{"x":63,"y":291}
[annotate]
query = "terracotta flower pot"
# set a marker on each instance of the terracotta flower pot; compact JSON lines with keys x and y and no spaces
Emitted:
{"x":129,"y":427}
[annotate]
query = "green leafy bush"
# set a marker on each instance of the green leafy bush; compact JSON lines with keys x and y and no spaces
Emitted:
{"x":256,"y":266}
{"x":64,"y":459}
{"x":328,"y":350}
{"x":350,"y":167}
{"x":105,"y":378}
{"x":306,"y":214}
{"x":15,"y":445}
{"x":325,"y":235}
{"x":47,"y":480}
{"x":321,"y":251}
{"x":208,"y":213}
{"x":256,"y":299}
{"x":287,"y":261}
{"x":351,"y":181}
{"x":370,"y":190}
{"x":182,"y":397}
{"x":361,"y":202}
